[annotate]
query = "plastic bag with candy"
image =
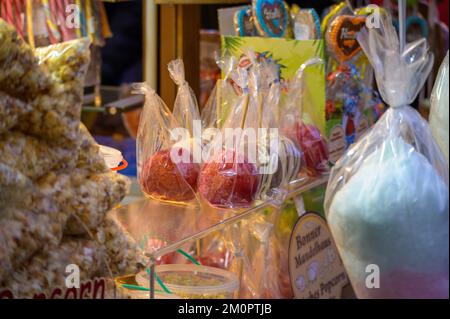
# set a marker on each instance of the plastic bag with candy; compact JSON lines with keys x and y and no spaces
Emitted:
{"x":11,"y":109}
{"x":55,"y":113}
{"x":387,"y":197}
{"x":306,"y":24}
{"x":279,"y":154}
{"x":243,"y":22}
{"x":439,"y":108}
{"x":164,"y":173}
{"x":20,"y":74}
{"x":185,"y":109}
{"x":299,"y":126}
{"x":221,"y":98}
{"x":187,"y":115}
{"x":229,"y":178}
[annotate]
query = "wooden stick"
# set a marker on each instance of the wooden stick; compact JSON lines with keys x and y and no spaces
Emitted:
{"x":260,"y":110}
{"x":244,"y":116}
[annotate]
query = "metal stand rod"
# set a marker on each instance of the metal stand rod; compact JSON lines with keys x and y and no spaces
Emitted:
{"x":402,"y":24}
{"x":152,"y":279}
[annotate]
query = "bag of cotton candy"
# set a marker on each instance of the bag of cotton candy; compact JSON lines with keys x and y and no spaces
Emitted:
{"x":387,"y":197}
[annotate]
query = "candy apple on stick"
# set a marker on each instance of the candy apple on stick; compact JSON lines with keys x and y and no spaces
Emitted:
{"x":306,"y":135}
{"x":168,"y":171}
{"x":229,"y":179}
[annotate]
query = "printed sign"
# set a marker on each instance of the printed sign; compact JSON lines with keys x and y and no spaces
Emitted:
{"x":336,"y":143}
{"x":96,"y":288}
{"x":315,"y":268}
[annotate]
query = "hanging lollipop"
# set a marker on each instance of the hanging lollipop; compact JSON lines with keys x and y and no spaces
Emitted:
{"x":279,"y":155}
{"x":302,"y":130}
{"x":229,"y":178}
{"x":167,"y":170}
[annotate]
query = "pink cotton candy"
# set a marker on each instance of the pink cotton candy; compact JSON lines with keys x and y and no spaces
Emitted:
{"x":405,"y":284}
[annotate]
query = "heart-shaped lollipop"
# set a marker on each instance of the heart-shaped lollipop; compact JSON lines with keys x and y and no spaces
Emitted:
{"x":271,"y":17}
{"x":341,"y":36}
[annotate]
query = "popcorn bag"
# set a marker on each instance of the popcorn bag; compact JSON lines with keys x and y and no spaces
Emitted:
{"x":55,"y":187}
{"x":167,"y":169}
{"x":387,"y":197}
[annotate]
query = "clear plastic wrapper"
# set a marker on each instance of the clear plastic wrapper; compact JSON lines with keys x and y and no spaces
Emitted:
{"x":11,"y":109}
{"x":257,"y":256}
{"x":123,"y":254}
{"x":187,"y":115}
{"x":260,"y":279}
{"x":243,"y":22}
{"x":53,"y":180}
{"x":229,"y":178}
{"x":216,"y":251}
{"x":25,"y":231}
{"x":69,"y":203}
{"x":341,"y":36}
{"x":103,"y":252}
{"x":158,"y":175}
{"x":219,"y":103}
{"x":282,"y":162}
{"x":47,"y":270}
{"x":352,"y":105}
{"x":306,"y":24}
{"x":56,"y":114}
{"x":256,"y":152}
{"x":20,"y":74}
{"x":345,"y":101}
{"x":185,"y":109}
{"x":13,"y":185}
{"x":50,"y":78}
{"x":439,"y":108}
{"x":83,"y":196}
{"x":387,"y":197}
{"x":221,"y":98}
{"x":333,"y":12}
{"x":93,"y":198}
{"x":300,"y":128}
{"x":18,"y":150}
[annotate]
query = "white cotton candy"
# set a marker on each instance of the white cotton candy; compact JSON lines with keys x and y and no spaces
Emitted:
{"x":387,"y":197}
{"x":393,"y":212}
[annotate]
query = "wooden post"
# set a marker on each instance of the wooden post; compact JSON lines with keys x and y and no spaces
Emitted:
{"x":179,"y":37}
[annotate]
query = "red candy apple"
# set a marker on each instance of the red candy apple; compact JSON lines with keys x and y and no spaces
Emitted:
{"x":229,"y":181}
{"x":313,"y":146}
{"x":163,"y":179}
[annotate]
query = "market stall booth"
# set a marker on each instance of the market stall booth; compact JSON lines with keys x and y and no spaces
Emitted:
{"x":302,"y":172}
